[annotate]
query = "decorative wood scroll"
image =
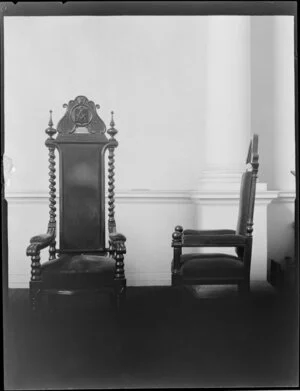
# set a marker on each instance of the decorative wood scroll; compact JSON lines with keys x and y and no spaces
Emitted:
{"x":81,"y":114}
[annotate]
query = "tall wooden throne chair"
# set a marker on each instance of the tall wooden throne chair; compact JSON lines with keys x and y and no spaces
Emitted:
{"x":82,"y":264}
{"x":218,"y":268}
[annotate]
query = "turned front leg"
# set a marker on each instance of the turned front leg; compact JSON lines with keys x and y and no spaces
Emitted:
{"x":35,"y":280}
{"x":119,"y":272}
{"x":120,"y":281}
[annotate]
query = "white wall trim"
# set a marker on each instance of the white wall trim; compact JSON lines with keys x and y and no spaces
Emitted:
{"x":286,"y":196}
{"x":164,"y":196}
{"x":231,"y":195}
{"x":122,"y":195}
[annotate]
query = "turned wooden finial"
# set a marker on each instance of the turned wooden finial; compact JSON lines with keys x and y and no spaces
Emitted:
{"x":50,"y":123}
{"x":177,"y":234}
{"x":112,"y":122}
{"x":112,"y":131}
{"x":50,"y":130}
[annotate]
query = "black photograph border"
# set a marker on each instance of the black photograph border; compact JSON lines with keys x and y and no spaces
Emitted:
{"x":74,"y":8}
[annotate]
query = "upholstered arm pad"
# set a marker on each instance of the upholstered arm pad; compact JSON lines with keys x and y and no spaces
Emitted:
{"x":208,"y":240}
{"x":39,"y":242}
{"x":209,"y":232}
{"x":117,"y":237}
{"x":117,"y":241}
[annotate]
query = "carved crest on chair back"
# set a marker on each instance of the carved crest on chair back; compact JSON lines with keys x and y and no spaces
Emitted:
{"x":81,"y":113}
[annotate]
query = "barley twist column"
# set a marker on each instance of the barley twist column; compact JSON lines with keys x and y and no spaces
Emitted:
{"x":111,"y":174}
{"x":52,"y":189}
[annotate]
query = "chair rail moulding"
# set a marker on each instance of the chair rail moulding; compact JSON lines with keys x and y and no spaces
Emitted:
{"x":173,"y":195}
{"x":286,"y":196}
{"x":130,"y":196}
{"x":263,"y":196}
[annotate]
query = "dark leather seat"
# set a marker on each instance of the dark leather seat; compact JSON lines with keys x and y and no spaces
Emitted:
{"x":211,"y":266}
{"x":69,"y":271}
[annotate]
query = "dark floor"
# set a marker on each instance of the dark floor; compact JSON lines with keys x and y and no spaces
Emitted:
{"x":207,"y":339}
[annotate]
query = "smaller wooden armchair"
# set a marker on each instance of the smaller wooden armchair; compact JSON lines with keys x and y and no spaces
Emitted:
{"x":215,"y":268}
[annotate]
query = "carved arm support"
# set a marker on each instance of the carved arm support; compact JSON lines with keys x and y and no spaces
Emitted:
{"x":118,"y":249}
{"x":177,"y":246}
{"x":37,"y":243}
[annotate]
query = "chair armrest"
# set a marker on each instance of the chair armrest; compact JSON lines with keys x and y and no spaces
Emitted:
{"x":39,"y":242}
{"x":116,"y":236}
{"x":212,"y":240}
{"x":209,"y":232}
{"x":117,"y":242}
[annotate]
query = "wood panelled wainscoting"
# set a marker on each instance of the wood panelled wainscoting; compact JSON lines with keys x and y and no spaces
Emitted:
{"x":153,"y":216}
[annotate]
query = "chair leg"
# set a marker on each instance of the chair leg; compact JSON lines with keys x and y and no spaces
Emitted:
{"x":35,"y":298}
{"x":119,"y":295}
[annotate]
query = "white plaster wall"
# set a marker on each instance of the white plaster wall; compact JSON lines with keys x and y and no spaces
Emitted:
{"x":149,"y":70}
{"x":272,"y":98}
{"x":273,"y":118}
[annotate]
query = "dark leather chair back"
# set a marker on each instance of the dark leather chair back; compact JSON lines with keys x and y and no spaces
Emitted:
{"x":82,"y":218}
{"x":248,"y":190}
{"x":244,"y":204}
{"x":81,"y":143}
